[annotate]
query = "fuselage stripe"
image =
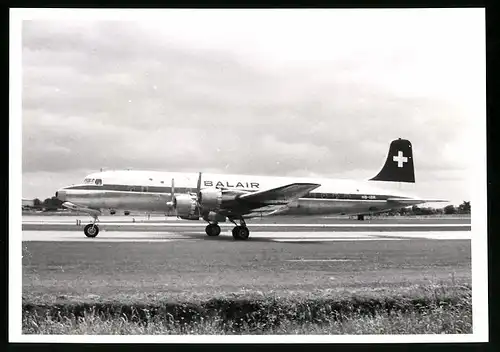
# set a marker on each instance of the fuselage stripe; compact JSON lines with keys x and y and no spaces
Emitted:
{"x":167,"y":190}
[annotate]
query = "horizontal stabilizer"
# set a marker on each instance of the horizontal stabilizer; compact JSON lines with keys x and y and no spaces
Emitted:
{"x":279,"y":195}
{"x":414,"y":201}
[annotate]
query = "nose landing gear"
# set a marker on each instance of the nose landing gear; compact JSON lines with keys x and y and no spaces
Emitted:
{"x":91,"y":230}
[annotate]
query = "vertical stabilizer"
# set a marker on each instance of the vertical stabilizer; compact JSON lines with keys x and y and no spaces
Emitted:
{"x":398,"y":166}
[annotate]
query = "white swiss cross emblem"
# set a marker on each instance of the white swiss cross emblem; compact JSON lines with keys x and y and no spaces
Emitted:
{"x":400,"y":159}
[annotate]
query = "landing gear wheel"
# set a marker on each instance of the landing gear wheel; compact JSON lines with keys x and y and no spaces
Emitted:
{"x":241,"y":233}
{"x":361,"y":217}
{"x":91,"y":230}
{"x":212,"y":230}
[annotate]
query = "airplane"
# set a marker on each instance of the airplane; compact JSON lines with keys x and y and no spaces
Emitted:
{"x":216,"y":198}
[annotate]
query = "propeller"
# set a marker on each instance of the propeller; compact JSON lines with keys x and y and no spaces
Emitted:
{"x":198,"y":185}
{"x":171,"y":204}
{"x":198,"y":194}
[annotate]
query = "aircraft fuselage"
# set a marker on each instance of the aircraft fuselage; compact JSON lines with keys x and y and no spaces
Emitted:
{"x":149,"y":191}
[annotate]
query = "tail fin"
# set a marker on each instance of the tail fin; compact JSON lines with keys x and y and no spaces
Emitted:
{"x":398,"y":166}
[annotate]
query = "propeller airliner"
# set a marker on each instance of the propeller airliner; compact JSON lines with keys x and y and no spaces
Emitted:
{"x":216,"y":198}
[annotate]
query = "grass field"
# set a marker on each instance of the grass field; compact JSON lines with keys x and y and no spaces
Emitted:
{"x":220,"y":287}
{"x":425,"y":310}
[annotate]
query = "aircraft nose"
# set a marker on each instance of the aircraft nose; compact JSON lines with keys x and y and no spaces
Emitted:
{"x":61,"y":195}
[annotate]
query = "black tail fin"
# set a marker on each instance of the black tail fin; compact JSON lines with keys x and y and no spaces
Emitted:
{"x":399,"y":164}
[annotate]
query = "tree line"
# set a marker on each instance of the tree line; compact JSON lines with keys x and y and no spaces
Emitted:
{"x":48,"y":204}
{"x":51,"y":204}
{"x":464,"y":208}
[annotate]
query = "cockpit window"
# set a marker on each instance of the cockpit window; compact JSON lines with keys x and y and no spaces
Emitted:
{"x":92,"y":181}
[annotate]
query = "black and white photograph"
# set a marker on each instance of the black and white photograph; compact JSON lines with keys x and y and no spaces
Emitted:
{"x":248,"y":175}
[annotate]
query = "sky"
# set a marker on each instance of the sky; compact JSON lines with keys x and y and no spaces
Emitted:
{"x":265,"y":92}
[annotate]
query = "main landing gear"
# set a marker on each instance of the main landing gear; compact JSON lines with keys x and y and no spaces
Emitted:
{"x":212,"y":230}
{"x":91,"y":230}
{"x":240,"y":232}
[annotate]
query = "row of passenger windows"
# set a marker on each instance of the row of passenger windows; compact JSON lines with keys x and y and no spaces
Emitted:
{"x":323,"y":195}
{"x":339,"y":196}
{"x":98,"y":182}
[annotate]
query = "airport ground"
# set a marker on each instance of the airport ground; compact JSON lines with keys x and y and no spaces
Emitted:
{"x":384,"y":276}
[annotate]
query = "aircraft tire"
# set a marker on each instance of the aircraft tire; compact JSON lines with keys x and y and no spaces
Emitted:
{"x":91,"y":230}
{"x":241,"y":233}
{"x":212,"y":230}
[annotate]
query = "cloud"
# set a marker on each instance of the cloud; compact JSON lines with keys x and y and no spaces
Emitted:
{"x":133,"y":94}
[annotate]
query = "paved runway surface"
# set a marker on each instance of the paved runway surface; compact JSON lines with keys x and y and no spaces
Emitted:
{"x":71,"y":219}
{"x":151,"y":236}
{"x":161,"y":229}
{"x":176,"y":258}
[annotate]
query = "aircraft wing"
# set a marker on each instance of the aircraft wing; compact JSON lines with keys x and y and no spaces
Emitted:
{"x":278,"y":196}
{"x":267,"y":202}
{"x":265,"y":211}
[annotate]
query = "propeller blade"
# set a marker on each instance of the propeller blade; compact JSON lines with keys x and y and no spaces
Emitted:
{"x":198,"y":189}
{"x":198,"y":186}
{"x":171,"y":204}
{"x":172,"y":194}
{"x":172,"y":190}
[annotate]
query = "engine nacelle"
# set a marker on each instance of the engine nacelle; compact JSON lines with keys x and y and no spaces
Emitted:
{"x":185,"y":205}
{"x":210,"y":199}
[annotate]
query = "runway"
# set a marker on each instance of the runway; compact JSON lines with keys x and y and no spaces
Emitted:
{"x":161,"y":229}
{"x":152,"y":236}
{"x":176,"y":258}
{"x":71,"y":219}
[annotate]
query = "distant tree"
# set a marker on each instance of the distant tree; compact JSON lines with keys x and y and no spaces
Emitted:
{"x":450,"y":209}
{"x":52,"y":203}
{"x":37,"y":203}
{"x":464,"y":208}
{"x":389,"y":213}
{"x":431,"y":211}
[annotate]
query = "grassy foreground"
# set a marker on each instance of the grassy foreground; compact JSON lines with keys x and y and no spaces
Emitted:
{"x":423,"y":310}
{"x":226,"y":287}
